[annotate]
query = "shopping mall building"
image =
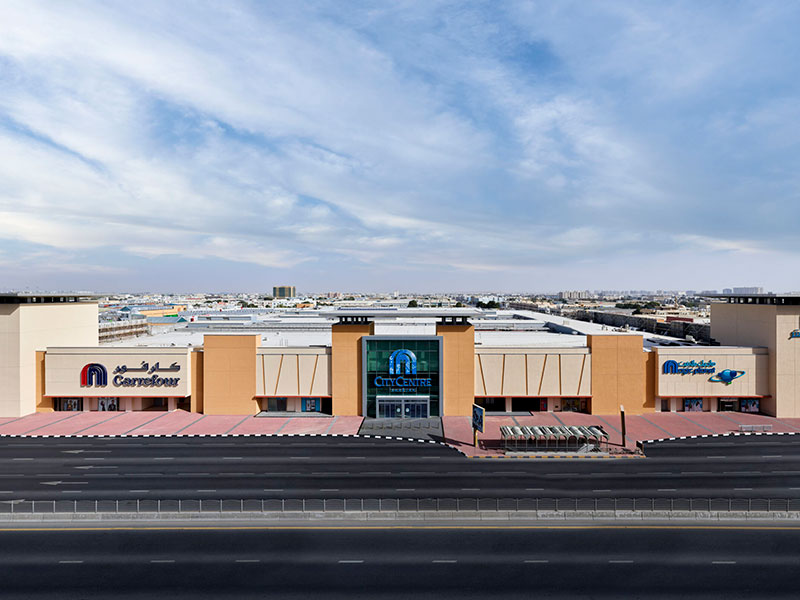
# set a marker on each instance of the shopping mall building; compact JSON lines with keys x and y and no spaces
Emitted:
{"x":402,"y":363}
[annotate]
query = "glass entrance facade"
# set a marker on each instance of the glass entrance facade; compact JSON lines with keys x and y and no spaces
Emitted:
{"x":401,"y":377}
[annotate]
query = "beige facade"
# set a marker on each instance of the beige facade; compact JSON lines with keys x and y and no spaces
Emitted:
{"x":769,"y":326}
{"x":533,"y":372}
{"x":293,"y":372}
{"x":130,"y":372}
{"x":752,"y":363}
{"x":28,"y":327}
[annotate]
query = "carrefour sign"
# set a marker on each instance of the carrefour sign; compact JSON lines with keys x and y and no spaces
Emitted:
{"x":689,"y":367}
{"x":402,"y":362}
{"x":96,"y":375}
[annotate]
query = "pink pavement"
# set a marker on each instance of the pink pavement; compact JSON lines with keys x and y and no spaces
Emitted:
{"x":122,"y":425}
{"x":212,"y":424}
{"x":308,"y":425}
{"x":349,"y":425}
{"x":30,"y":423}
{"x":261,"y":425}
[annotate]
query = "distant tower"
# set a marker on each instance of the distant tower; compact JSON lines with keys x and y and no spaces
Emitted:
{"x":284,"y":291}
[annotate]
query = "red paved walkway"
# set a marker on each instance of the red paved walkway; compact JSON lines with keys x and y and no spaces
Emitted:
{"x":457,"y":430}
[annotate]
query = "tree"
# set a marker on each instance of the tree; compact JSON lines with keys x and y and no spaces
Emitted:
{"x":412,"y":304}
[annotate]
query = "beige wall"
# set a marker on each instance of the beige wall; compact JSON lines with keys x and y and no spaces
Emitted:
{"x":458,"y":358}
{"x":533,"y":372}
{"x":768,"y":326}
{"x":229,"y":374}
{"x":346,"y":367}
{"x":293,"y":372}
{"x":753,"y":361}
{"x":26,"y":328}
{"x":63,"y":369}
{"x":619,"y":374}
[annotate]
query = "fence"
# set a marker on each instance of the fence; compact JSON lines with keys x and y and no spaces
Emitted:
{"x":399,"y":505}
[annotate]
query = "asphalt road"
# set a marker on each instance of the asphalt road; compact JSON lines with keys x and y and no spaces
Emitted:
{"x":342,"y":467}
{"x":541,"y":562}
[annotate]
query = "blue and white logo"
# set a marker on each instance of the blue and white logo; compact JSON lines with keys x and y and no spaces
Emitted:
{"x":795,"y":333}
{"x":402,"y":362}
{"x":727,"y":376}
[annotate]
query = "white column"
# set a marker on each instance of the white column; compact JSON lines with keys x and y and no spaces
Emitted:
{"x":508,"y":404}
{"x":87,"y":404}
{"x":172,"y":403}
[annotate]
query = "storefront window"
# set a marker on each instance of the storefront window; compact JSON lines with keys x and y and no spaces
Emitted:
{"x":69,"y":404}
{"x":693,"y":404}
{"x":107,"y":404}
{"x":750,"y":405}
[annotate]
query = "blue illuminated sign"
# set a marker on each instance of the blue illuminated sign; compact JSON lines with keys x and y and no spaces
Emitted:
{"x":794,"y":334}
{"x":689,"y":367}
{"x":402,"y":362}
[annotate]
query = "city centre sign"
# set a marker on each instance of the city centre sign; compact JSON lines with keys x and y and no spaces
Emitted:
{"x":689,"y":367}
{"x":402,"y":362}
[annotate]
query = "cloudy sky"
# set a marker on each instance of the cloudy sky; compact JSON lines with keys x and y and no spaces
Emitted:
{"x":414,"y":146}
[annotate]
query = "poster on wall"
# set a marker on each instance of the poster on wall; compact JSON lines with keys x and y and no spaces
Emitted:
{"x":749,"y":405}
{"x":693,"y":404}
{"x":107,"y":404}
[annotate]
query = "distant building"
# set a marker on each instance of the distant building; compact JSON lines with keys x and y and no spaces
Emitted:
{"x":284,"y":291}
{"x":748,"y":290}
{"x":574,"y":295}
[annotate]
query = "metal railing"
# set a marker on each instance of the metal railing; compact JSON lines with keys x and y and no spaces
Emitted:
{"x":310,"y":505}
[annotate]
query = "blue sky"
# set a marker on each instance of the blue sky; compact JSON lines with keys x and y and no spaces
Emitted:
{"x":414,"y":146}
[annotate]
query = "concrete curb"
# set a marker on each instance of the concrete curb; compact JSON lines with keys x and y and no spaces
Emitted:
{"x":472,"y":516}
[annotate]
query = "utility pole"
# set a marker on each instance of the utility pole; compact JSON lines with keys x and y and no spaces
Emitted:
{"x":622,"y":420}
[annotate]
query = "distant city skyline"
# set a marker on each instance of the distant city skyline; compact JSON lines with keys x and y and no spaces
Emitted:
{"x":434,"y":145}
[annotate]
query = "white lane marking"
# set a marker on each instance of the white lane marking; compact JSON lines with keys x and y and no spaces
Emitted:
{"x":742,"y":489}
{"x":359,"y":457}
{"x":299,"y":457}
{"x":470,"y":489}
{"x":741,"y":472}
{"x":620,"y":562}
{"x":273,"y":489}
{"x":138,"y":491}
{"x":70,"y":562}
{"x":164,"y":458}
{"x":773,"y":456}
{"x":329,"y":489}
{"x":537,"y":561}
{"x":207,"y":491}
{"x":232,"y":458}
{"x":350,"y":562}
{"x":723,"y":562}
{"x":445,"y":561}
{"x":21,"y":459}
{"x":162,"y":561}
{"x":64,"y":482}
{"x":534,"y":489}
{"x":98,"y":458}
{"x":70,"y":491}
{"x":716,"y":457}
{"x":247,"y":560}
{"x":601,"y":490}
{"x":666,"y":489}
{"x":404,"y":490}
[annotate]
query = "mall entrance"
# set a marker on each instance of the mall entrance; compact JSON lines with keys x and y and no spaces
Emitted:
{"x":403,"y":407}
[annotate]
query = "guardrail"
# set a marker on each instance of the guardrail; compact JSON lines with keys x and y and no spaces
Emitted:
{"x":399,"y":505}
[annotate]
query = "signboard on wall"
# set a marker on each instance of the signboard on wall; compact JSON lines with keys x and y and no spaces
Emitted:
{"x":156,"y":373}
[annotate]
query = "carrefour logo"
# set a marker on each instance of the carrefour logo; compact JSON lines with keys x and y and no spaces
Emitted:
{"x":94,"y":374}
{"x":402,"y":362}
